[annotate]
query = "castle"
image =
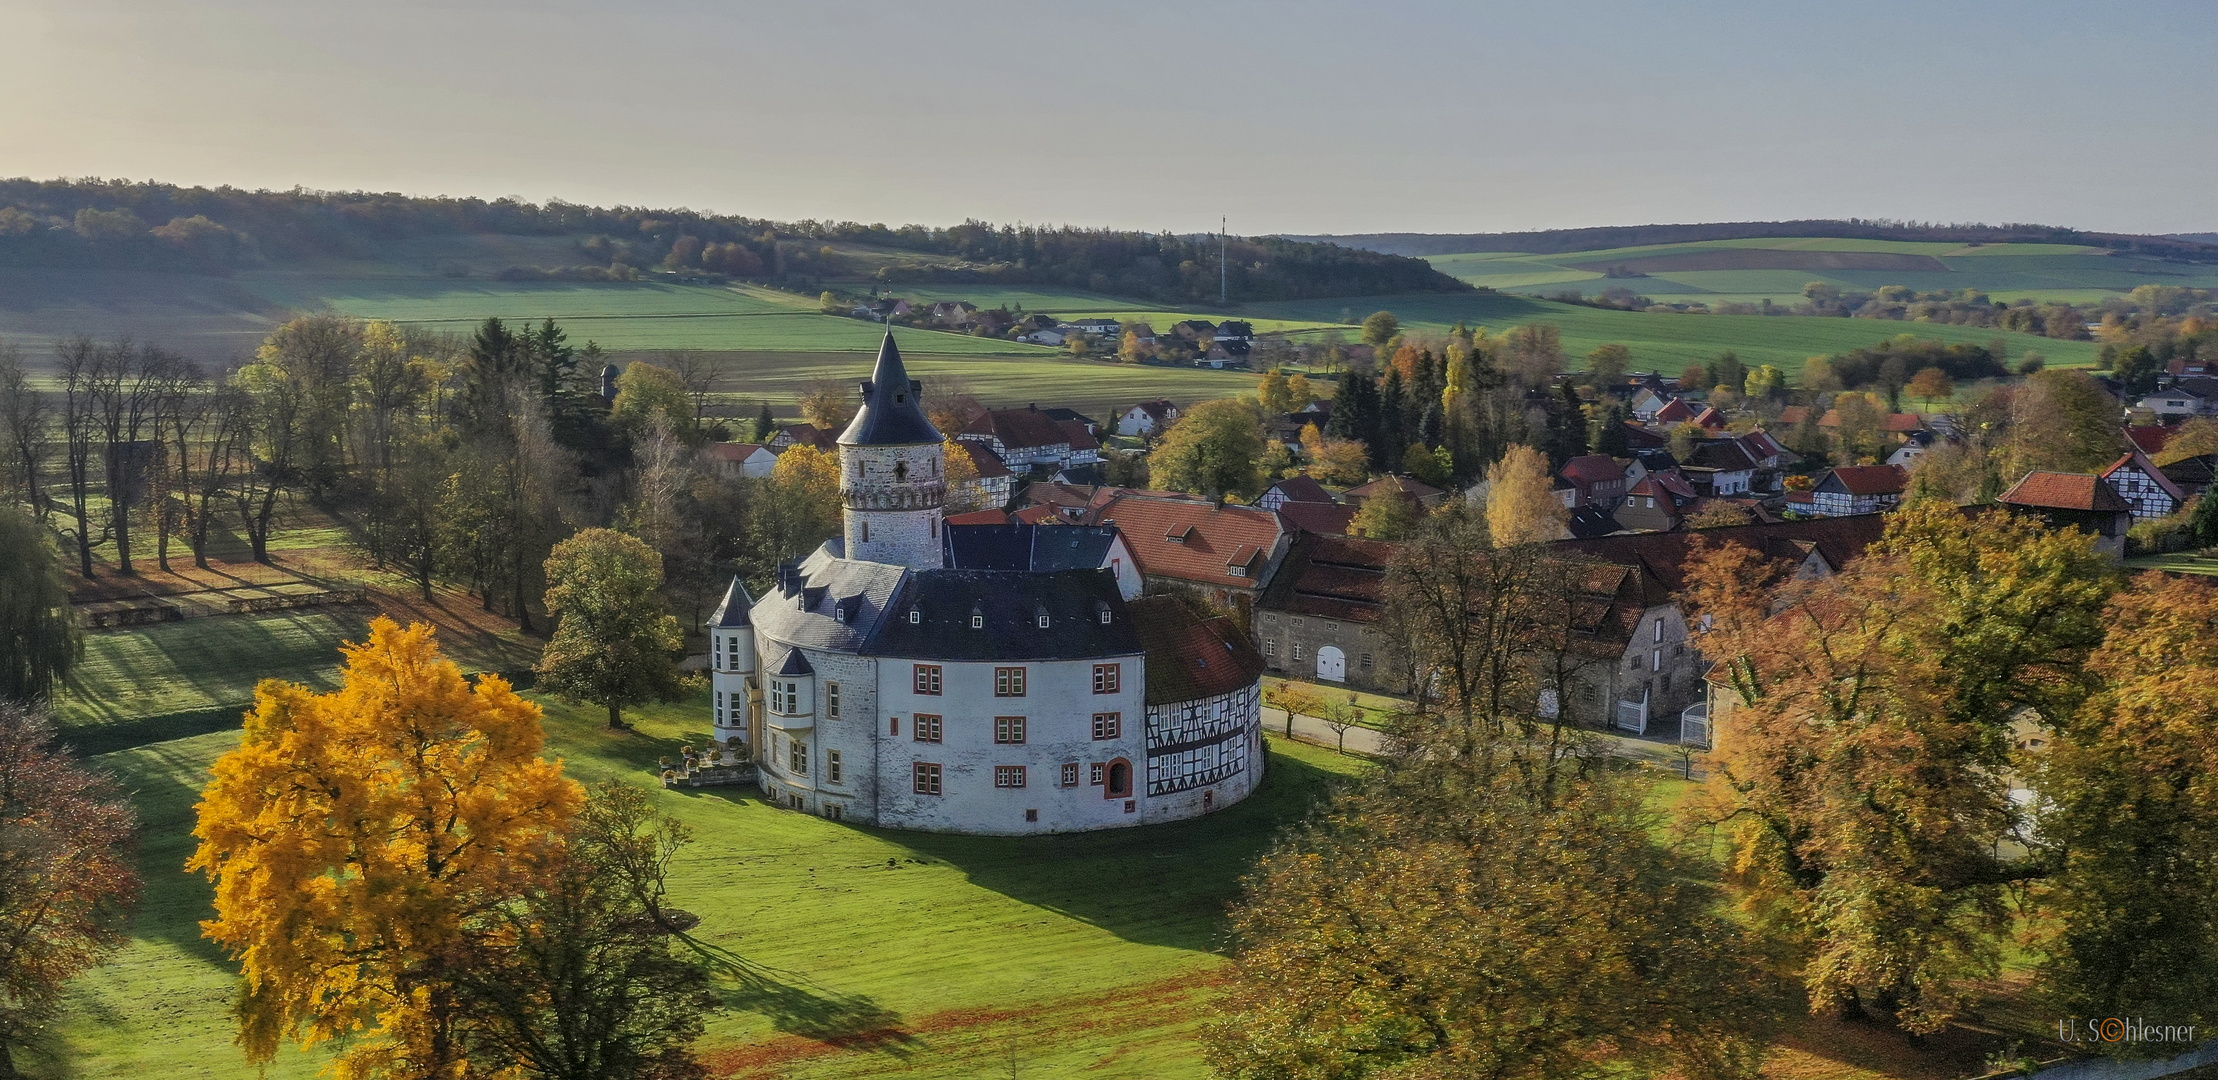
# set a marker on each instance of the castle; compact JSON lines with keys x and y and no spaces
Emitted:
{"x":976,"y":678}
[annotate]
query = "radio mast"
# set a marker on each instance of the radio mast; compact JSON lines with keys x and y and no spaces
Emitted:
{"x":1224,"y":291}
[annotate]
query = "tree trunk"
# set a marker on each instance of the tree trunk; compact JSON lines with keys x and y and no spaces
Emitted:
{"x":615,"y":717}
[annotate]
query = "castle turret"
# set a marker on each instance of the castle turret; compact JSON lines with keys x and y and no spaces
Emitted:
{"x":893,"y":482}
{"x":731,"y":630}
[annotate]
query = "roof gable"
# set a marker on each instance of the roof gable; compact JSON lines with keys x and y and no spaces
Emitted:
{"x":2065,"y":491}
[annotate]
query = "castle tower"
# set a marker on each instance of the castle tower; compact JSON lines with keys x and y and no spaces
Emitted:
{"x":892,"y":475}
{"x":731,"y":631}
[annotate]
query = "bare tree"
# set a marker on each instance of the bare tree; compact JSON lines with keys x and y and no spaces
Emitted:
{"x":25,"y":417}
{"x":80,"y":360}
{"x":130,"y":386}
{"x":701,"y":376}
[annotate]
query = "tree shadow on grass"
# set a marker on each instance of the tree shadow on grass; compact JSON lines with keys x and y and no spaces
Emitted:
{"x":1166,"y":884}
{"x":797,"y":1005}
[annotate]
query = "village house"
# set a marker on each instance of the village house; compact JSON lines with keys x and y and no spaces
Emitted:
{"x":2183,"y":399}
{"x":1224,"y":554}
{"x":1591,"y":480}
{"x":2137,"y":479}
{"x":1099,"y":329}
{"x":953,"y":313}
{"x":1858,"y":489}
{"x":1720,"y":467}
{"x":2075,"y":501}
{"x":1298,"y":488}
{"x":1658,"y":503}
{"x":1321,"y":617}
{"x":1147,"y":418}
{"x":995,"y":482}
{"x":824,"y":439}
{"x":1028,"y":439}
{"x":735,"y":460}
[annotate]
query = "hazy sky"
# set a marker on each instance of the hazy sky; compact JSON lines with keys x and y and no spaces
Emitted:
{"x":1288,"y":116}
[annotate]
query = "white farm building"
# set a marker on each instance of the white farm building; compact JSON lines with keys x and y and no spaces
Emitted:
{"x":976,"y":678}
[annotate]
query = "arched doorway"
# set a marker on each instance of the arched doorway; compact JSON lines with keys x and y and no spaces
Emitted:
{"x":1332,"y":664}
{"x":1119,"y":785}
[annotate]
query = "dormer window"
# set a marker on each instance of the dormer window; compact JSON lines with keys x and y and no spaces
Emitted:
{"x":915,"y":616}
{"x":977,"y":619}
{"x":1042,"y":617}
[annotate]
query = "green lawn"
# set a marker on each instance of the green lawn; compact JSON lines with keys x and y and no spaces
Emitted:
{"x":147,"y":684}
{"x":926,"y":955}
{"x":2184,"y":562}
{"x":1669,"y":342}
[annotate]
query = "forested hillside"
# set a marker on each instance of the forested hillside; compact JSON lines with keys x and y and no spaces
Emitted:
{"x":1558,"y":241}
{"x":153,"y":226}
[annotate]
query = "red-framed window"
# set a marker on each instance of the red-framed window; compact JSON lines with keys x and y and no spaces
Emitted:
{"x":928,"y":679}
{"x":1008,"y":682}
{"x":925,"y":728}
{"x":1108,"y":725}
{"x":1008,"y":776}
{"x":926,"y":776}
{"x":1008,"y":729}
{"x":1106,"y":678}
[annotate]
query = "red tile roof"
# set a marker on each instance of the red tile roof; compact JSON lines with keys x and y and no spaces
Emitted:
{"x":1709,"y":417}
{"x":1194,"y":541}
{"x":1668,"y":555}
{"x":1676,"y":410}
{"x":980,"y":517}
{"x":1043,"y":514}
{"x":1333,"y":577}
{"x":2065,"y":491}
{"x":1872,"y":479}
{"x":1591,"y":469}
{"x":1189,"y":658}
{"x":2150,"y":439}
{"x":1794,"y":414}
{"x":983,"y":459}
{"x":1080,"y":438}
{"x":1019,"y":429}
{"x":1316,"y":517}
{"x":1302,"y":489}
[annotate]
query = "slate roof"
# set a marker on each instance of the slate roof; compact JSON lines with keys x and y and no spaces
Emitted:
{"x":892,"y":412}
{"x":1027,"y":548}
{"x":1209,"y":538}
{"x":795,"y":664}
{"x":1010,"y":602}
{"x":733,"y":611}
{"x":1060,"y":414}
{"x":1188,"y":658}
{"x":800,"y":609}
{"x":2065,"y":491}
{"x":1332,"y":577}
{"x":1667,"y":555}
{"x":1591,"y":521}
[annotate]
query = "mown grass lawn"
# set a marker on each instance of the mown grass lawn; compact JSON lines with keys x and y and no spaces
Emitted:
{"x":1093,"y":387}
{"x":860,"y":952}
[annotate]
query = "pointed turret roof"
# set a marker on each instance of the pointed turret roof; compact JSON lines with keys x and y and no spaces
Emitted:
{"x":734,"y":610}
{"x":893,"y":407}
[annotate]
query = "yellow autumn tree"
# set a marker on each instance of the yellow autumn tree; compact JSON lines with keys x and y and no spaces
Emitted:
{"x":354,"y":836}
{"x":1521,"y":502}
{"x":1343,"y":462}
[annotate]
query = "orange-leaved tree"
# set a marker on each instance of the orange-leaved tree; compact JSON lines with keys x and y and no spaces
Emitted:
{"x":1868,"y":763}
{"x":353,"y":837}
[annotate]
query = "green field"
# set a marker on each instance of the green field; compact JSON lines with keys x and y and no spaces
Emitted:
{"x":1669,"y":342}
{"x":1747,"y":271}
{"x":157,"y":682}
{"x":922,"y":955}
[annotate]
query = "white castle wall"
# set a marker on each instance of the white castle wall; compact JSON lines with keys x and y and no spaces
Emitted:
{"x":1058,"y":708}
{"x":728,"y":682}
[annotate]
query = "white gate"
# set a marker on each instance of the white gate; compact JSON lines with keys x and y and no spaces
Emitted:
{"x":1332,"y":664}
